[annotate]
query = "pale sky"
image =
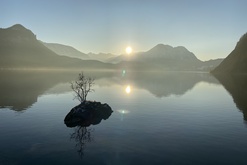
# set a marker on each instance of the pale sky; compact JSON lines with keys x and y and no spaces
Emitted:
{"x":208,"y":28}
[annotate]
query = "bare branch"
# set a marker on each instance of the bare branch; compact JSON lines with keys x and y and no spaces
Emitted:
{"x":82,"y":86}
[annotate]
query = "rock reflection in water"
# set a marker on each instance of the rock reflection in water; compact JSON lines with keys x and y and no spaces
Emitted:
{"x":81,"y":117}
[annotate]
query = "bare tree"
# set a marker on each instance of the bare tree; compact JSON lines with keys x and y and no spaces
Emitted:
{"x":82,"y":86}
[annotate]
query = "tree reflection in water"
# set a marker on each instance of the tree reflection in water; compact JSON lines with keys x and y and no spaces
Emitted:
{"x":82,"y":135}
{"x":81,"y":117}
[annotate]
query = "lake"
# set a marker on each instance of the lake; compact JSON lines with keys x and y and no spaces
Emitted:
{"x":177,"y":118}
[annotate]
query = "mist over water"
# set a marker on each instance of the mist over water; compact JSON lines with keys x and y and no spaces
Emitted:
{"x":158,"y":118}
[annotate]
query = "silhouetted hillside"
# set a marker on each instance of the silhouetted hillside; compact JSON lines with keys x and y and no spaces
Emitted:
{"x":164,"y":56}
{"x":236,"y":61}
{"x":173,"y":58}
{"x":66,"y":50}
{"x":19,"y":48}
{"x":161,"y":51}
{"x":104,"y":57}
{"x":69,"y":51}
{"x":210,"y":64}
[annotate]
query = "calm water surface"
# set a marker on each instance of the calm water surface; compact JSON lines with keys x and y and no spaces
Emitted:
{"x":158,"y":118}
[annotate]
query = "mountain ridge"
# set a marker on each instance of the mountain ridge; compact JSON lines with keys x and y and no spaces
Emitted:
{"x":167,"y":51}
{"x":166,"y":56}
{"x":19,"y":48}
{"x":66,"y":50}
{"x":236,"y":61}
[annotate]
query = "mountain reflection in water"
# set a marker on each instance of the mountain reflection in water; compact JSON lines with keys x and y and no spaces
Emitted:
{"x":19,"y":90}
{"x":150,"y":125}
{"x":236,"y":86}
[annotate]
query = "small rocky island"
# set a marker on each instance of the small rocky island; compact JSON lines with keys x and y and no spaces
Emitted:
{"x":87,"y":113}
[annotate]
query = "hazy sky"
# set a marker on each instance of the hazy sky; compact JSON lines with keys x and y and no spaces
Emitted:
{"x":208,"y":28}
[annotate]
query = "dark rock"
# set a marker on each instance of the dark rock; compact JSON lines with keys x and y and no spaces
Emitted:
{"x":87,"y":113}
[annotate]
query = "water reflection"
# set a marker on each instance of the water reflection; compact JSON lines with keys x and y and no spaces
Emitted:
{"x":82,"y":136}
{"x":19,"y":89}
{"x":236,"y":85}
{"x":81,"y":117}
{"x":123,"y":112}
{"x":164,"y":84}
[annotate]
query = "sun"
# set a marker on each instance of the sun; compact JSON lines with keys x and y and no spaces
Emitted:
{"x":128,"y":50}
{"x":128,"y":89}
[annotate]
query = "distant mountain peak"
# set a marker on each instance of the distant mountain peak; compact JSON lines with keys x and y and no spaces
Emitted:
{"x":17,"y":33}
{"x":181,"y":48}
{"x":19,"y":48}
{"x":167,"y":47}
{"x":18,"y":27}
{"x":162,"y":46}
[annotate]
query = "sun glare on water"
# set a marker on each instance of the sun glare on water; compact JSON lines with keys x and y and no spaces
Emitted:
{"x":128,"y":50}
